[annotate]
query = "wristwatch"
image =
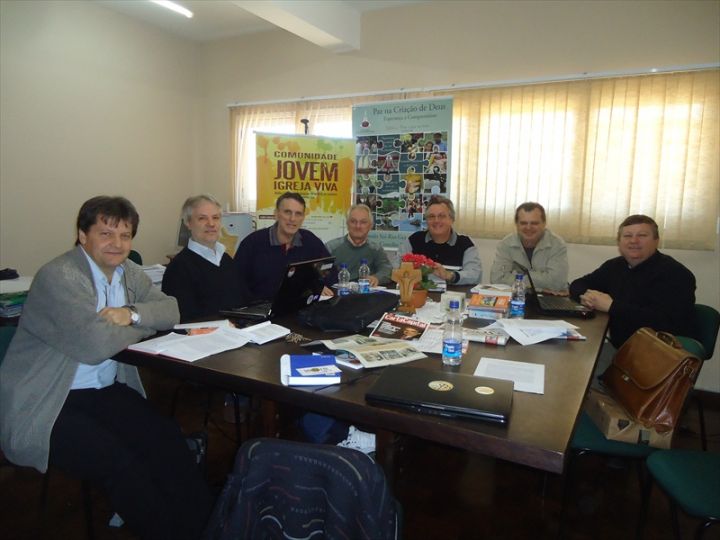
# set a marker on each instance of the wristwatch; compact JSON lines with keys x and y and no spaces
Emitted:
{"x":134,"y":315}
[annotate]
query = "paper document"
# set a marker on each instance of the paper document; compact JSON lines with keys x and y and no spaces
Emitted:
{"x":432,"y":341}
{"x":192,"y":348}
{"x":529,"y":331}
{"x":527,"y":377}
{"x":264,"y":332}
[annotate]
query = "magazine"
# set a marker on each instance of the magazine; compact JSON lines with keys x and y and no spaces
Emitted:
{"x":490,"y":335}
{"x":394,"y":326}
{"x":374,"y":352}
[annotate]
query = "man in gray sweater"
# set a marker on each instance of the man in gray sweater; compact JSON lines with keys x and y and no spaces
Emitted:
{"x":65,"y":402}
{"x":352,"y":248}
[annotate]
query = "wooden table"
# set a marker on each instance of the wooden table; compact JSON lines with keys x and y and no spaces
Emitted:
{"x":540,"y":426}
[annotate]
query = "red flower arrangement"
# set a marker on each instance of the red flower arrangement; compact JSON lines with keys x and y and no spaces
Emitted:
{"x":426,"y":266}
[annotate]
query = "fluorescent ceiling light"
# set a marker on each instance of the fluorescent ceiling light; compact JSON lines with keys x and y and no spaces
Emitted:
{"x":174,"y":7}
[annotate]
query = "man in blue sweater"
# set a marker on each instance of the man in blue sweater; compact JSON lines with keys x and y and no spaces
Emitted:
{"x":263,"y":255}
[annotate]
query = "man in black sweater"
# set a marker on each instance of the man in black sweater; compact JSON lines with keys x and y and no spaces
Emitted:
{"x":202,"y":276}
{"x":642,"y":287}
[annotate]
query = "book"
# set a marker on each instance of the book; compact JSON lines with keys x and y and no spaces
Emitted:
{"x":493,"y":289}
{"x":309,"y":370}
{"x":489,"y":302}
{"x":394,"y":326}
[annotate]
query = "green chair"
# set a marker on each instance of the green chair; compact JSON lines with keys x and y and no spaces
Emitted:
{"x":6,"y":335}
{"x":588,"y":439}
{"x":702,"y":344}
{"x":135,"y":257}
{"x":691,"y":480}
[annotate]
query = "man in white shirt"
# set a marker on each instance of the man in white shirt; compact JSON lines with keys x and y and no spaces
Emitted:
{"x":202,"y":277}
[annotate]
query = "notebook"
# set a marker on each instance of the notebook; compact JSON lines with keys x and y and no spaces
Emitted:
{"x":557,"y":306}
{"x":301,"y":286}
{"x":443,"y":393}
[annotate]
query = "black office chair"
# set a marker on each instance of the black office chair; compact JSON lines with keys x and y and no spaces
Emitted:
{"x":285,"y":489}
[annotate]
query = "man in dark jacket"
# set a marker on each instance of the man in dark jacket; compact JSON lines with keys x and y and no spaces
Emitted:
{"x":642,"y":287}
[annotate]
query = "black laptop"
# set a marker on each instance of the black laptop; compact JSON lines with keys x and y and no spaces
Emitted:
{"x":557,"y":306}
{"x":442,"y":393}
{"x":302,"y":285}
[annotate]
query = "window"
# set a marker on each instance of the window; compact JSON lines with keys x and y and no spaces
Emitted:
{"x":592,"y":152}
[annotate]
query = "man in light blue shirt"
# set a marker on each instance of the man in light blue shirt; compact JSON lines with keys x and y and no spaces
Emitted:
{"x":65,"y":402}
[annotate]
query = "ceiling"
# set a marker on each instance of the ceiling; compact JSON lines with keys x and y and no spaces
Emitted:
{"x":332,"y":24}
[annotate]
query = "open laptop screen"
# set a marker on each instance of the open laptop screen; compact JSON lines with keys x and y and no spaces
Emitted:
{"x":302,"y":284}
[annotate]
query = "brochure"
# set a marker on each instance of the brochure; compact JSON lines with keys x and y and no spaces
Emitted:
{"x":394,"y":326}
{"x":374,"y":352}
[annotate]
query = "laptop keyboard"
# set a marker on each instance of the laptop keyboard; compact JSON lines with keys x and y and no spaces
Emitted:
{"x":557,"y":302}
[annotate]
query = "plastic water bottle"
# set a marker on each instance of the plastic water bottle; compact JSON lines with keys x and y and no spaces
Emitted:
{"x":517,"y":301}
{"x":343,"y":280}
{"x":453,"y":336}
{"x":364,"y":277}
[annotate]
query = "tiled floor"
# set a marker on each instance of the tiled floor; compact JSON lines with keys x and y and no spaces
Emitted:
{"x":446,"y":493}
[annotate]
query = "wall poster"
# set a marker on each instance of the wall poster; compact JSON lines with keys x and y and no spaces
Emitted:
{"x":401,"y":159}
{"x":319,"y":168}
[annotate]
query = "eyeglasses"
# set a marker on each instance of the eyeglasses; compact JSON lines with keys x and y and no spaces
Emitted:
{"x":437,"y":216}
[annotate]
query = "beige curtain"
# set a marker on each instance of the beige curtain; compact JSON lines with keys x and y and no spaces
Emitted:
{"x":592,"y":152}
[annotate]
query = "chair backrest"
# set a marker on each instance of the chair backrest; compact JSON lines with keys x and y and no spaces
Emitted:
{"x":284,"y":489}
{"x":6,"y":335}
{"x":135,"y":257}
{"x":707,"y":321}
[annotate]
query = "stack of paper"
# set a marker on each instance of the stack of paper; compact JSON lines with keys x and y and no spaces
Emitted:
{"x":155,"y":272}
{"x":212,"y":337}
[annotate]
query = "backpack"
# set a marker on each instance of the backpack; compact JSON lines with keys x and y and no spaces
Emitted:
{"x":350,"y":313}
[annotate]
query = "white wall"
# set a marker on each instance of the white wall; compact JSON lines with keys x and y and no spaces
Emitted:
{"x":91,"y":103}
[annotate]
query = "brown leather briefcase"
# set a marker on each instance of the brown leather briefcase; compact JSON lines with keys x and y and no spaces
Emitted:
{"x":651,"y":376}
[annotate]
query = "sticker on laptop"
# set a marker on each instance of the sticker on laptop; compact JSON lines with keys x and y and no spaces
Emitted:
{"x":441,"y":386}
{"x":485,"y":390}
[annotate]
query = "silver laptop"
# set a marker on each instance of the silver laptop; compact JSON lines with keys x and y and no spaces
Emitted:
{"x":443,"y":393}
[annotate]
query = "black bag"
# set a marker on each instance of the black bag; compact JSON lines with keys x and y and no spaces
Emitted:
{"x":348,"y":313}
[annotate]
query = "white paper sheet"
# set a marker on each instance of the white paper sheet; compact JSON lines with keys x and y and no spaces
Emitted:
{"x":527,"y":377}
{"x":530,"y":331}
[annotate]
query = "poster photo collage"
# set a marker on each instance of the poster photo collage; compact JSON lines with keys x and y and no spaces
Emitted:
{"x":397,"y":173}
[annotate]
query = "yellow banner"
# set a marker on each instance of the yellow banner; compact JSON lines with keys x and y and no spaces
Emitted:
{"x":318,"y":168}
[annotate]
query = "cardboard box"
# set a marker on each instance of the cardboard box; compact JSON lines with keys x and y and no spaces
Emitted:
{"x":612,"y":420}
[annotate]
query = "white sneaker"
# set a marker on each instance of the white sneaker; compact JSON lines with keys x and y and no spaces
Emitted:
{"x":359,"y":440}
